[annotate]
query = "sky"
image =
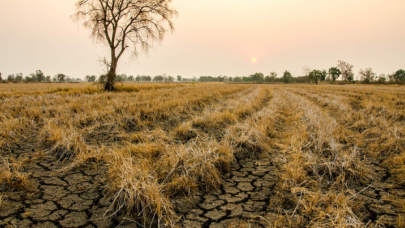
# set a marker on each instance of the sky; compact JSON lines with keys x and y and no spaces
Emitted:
{"x":213,"y":37}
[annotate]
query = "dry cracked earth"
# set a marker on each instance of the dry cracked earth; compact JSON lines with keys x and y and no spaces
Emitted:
{"x":243,"y":198}
{"x":77,"y":198}
{"x":57,"y":198}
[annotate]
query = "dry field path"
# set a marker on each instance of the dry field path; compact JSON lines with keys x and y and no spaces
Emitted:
{"x":380,"y":199}
{"x":243,"y":199}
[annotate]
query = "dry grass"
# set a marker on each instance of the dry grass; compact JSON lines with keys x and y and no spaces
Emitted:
{"x":147,"y":165}
{"x":254,"y":133}
{"x":165,"y":167}
{"x":233,"y":110}
{"x":164,"y":140}
{"x":8,"y":90}
{"x":329,"y":151}
{"x":375,"y":121}
{"x":11,"y":179}
{"x":314,"y":160}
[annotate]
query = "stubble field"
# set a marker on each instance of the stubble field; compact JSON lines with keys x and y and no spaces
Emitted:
{"x":203,"y":155}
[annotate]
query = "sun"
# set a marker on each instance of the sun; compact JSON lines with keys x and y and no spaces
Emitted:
{"x":254,"y":60}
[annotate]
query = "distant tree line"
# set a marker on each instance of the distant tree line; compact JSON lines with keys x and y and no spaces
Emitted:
{"x":343,"y":73}
{"x":38,"y":76}
{"x":140,"y":78}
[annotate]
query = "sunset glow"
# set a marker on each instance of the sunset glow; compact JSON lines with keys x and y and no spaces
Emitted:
{"x":287,"y":35}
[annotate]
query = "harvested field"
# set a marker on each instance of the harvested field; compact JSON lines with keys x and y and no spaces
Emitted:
{"x":203,"y":155}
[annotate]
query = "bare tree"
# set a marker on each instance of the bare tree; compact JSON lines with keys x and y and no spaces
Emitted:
{"x":306,"y":70}
{"x":126,"y":25}
{"x":347,"y":70}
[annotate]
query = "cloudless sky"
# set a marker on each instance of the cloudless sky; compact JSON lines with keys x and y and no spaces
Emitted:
{"x":213,"y":37}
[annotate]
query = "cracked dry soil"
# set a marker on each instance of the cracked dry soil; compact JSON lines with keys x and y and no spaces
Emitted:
{"x":75,"y":198}
{"x":244,"y":197}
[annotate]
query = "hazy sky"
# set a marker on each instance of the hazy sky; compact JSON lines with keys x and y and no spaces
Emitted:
{"x":214,"y":37}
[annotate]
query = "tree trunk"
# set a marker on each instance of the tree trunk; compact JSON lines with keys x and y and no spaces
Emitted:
{"x":109,"y":85}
